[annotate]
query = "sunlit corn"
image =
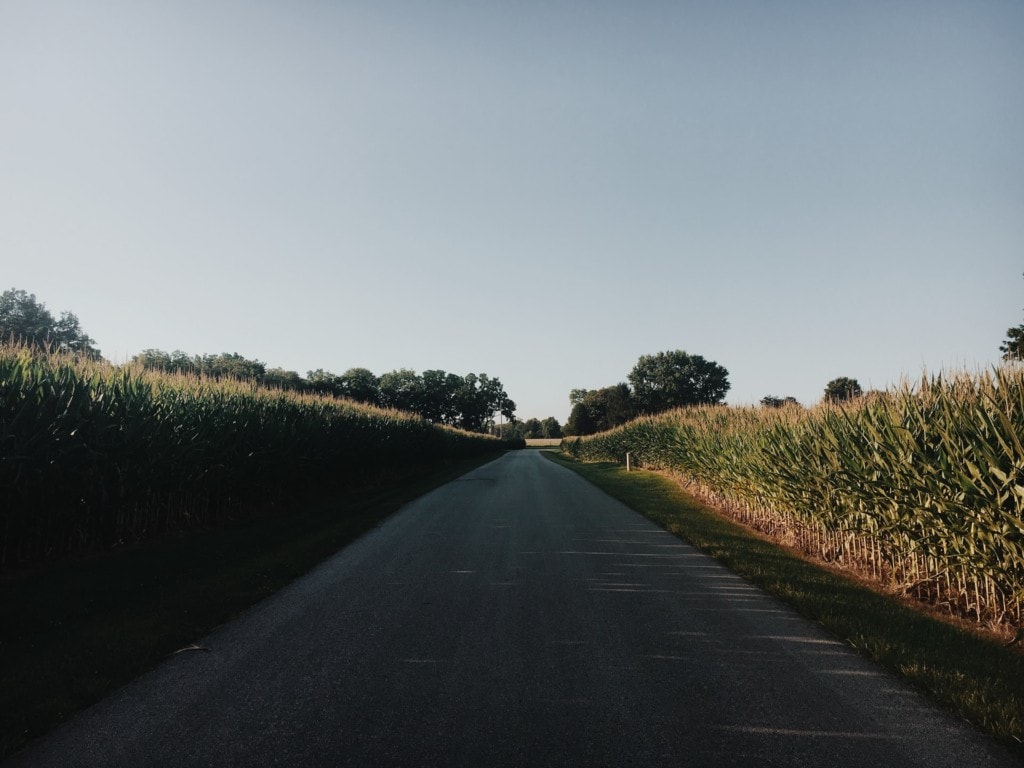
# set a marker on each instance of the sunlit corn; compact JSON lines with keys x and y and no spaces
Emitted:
{"x":922,"y":486}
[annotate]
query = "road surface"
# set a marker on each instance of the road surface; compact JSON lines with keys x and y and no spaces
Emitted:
{"x":520,"y":617}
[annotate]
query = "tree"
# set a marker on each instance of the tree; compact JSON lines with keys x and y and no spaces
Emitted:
{"x":469,"y":401}
{"x":401,"y":389}
{"x":69,"y":336}
{"x":437,"y":402}
{"x":531,"y":429}
{"x":323,"y":382}
{"x":182,"y":362}
{"x":226,"y":365}
{"x":509,"y":430}
{"x":153,"y":359}
{"x":231,"y":365}
{"x":771,"y":401}
{"x":611,"y":406}
{"x":478,"y":399}
{"x":674,"y":379}
{"x":550,"y":428}
{"x":578,"y":395}
{"x":26,"y":320}
{"x":1013,"y":347}
{"x":279,"y":378}
{"x":169,"y":362}
{"x":842,"y":389}
{"x":359,"y":384}
{"x":580,"y":421}
{"x":607,"y":407}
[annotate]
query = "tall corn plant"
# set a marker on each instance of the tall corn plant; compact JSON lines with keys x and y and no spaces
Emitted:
{"x":93,"y":455}
{"x":923,"y":485}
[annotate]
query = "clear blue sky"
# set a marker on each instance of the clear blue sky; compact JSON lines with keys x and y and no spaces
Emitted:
{"x":542,"y":191}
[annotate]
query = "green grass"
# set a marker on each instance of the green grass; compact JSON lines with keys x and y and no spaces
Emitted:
{"x":973,"y":676}
{"x":75,"y":631}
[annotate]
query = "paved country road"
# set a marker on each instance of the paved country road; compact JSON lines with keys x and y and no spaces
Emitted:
{"x":517,"y":616}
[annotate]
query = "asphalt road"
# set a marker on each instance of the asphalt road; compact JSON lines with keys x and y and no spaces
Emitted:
{"x":517,"y":616}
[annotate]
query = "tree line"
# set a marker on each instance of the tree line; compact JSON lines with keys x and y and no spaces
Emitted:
{"x":28,"y":321}
{"x":530,"y":429}
{"x":668,"y":380}
{"x":469,"y":402}
{"x":657,"y":383}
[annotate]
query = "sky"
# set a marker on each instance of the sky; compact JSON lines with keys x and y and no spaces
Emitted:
{"x":542,"y":191}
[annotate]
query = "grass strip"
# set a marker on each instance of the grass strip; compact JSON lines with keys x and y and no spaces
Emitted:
{"x":74,"y":632}
{"x":975,"y":677}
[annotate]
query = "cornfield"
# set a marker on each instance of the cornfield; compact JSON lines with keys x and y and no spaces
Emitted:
{"x":92,"y":455}
{"x":921,"y":487}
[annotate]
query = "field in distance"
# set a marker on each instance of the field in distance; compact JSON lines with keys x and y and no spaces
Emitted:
{"x":541,"y":442}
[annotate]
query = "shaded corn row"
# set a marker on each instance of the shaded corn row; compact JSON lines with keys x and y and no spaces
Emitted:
{"x":921,"y":486}
{"x":93,"y":455}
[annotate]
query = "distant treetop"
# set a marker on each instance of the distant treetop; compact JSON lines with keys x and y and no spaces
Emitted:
{"x":842,"y":389}
{"x":470,"y":402}
{"x":657,"y":383}
{"x":675,"y":379}
{"x":773,"y":401}
{"x":1013,"y":347}
{"x":24,"y":319}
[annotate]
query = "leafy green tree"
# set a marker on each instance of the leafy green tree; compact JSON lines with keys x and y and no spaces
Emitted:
{"x":771,"y":401}
{"x":154,"y":360}
{"x":438,"y":401}
{"x":478,"y":399}
{"x":580,"y":421}
{"x":68,"y":334}
{"x":169,"y":362}
{"x":578,"y":395}
{"x":24,"y":319}
{"x":279,"y":378}
{"x":674,"y":379}
{"x":1013,"y":347}
{"x":531,"y":429}
{"x":27,"y":320}
{"x":842,"y":389}
{"x":469,"y":401}
{"x":401,"y":389}
{"x":510,"y":430}
{"x":182,"y":362}
{"x":231,"y":365}
{"x":607,"y":407}
{"x":359,"y":384}
{"x":550,"y":428}
{"x":611,"y":406}
{"x":226,"y":365}
{"x":323,"y":382}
